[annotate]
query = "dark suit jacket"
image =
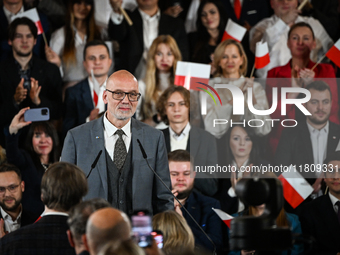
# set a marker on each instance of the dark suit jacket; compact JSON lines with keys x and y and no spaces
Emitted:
{"x":27,"y":217}
{"x":48,"y":76}
{"x":83,"y":143}
{"x":200,"y":207}
{"x":46,"y":236}
{"x":131,"y":41}
{"x":295,"y":146}
{"x":6,"y":49}
{"x":319,"y":220}
{"x":202,"y":147}
{"x":78,"y":105}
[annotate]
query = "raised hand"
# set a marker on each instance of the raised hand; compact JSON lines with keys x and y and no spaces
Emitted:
{"x":116,"y":4}
{"x":35,"y":91}
{"x":52,"y":56}
{"x":18,"y":122}
{"x":20,"y":92}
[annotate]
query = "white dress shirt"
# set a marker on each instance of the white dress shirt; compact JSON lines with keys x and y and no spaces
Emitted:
{"x":319,"y":143}
{"x":9,"y":14}
{"x":274,"y":31}
{"x":11,"y":225}
{"x":334,"y":200}
{"x":179,"y":142}
{"x":111,"y":138}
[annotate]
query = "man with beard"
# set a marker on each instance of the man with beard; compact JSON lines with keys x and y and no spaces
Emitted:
{"x":199,"y":206}
{"x":26,"y":80}
{"x":311,"y":140}
{"x":12,"y":214}
{"x":121,"y":174}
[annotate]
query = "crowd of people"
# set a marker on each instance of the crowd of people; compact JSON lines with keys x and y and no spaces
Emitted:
{"x":122,"y":138}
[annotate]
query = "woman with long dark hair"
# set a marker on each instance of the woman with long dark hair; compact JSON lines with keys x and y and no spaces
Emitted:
{"x":211,"y":23}
{"x":67,"y":43}
{"x":42,"y":149}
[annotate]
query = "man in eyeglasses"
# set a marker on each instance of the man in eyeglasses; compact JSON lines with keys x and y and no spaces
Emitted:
{"x":12,"y":214}
{"x":121,"y":174}
{"x":84,"y":101}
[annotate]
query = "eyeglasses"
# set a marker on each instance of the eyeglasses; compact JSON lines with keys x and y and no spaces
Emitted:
{"x":11,"y":189}
{"x":120,"y":95}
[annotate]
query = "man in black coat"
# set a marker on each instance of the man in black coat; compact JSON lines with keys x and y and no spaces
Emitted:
{"x":135,"y":40}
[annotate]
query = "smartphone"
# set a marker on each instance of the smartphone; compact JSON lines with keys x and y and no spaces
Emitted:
{"x":142,"y":228}
{"x":37,"y":114}
{"x":158,"y":236}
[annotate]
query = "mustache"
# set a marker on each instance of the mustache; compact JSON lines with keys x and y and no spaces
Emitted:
{"x":9,"y":198}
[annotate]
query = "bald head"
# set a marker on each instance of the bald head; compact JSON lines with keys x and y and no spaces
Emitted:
{"x":106,"y":225}
{"x":121,"y":106}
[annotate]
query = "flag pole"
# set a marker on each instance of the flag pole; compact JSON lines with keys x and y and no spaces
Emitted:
{"x":318,"y":62}
{"x":252,"y":71}
{"x":44,"y":36}
{"x":126,"y":16}
{"x":302,"y":5}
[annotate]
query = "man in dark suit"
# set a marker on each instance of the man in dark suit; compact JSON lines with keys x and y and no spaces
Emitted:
{"x":321,"y":217}
{"x":77,"y":220}
{"x":62,"y":187}
{"x":173,"y":107}
{"x":12,"y":214}
{"x":121,"y":174}
{"x":199,"y":206}
{"x":135,"y":40}
{"x":26,"y":80}
{"x":311,"y":140}
{"x":9,"y":9}
{"x":84,"y":101}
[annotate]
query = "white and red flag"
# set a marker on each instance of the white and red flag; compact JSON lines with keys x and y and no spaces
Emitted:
{"x":34,"y":16}
{"x":190,"y":75}
{"x":334,"y":53}
{"x":261,"y":55}
{"x":233,"y":31}
{"x":295,"y":188}
{"x":226,"y":218}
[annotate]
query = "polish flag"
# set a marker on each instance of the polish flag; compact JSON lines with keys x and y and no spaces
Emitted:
{"x":334,"y":53}
{"x":34,"y":16}
{"x":189,"y":75}
{"x":295,"y":188}
{"x":261,"y":55}
{"x":226,"y":218}
{"x":233,"y":31}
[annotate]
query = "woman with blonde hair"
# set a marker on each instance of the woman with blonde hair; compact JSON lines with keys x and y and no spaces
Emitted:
{"x":67,"y":43}
{"x":177,"y":235}
{"x":160,"y":73}
{"x":230,"y":62}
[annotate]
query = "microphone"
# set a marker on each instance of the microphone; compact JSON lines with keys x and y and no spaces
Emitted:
{"x":94,"y":163}
{"x":185,"y":209}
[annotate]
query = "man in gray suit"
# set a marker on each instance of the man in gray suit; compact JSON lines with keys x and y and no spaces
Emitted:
{"x":121,"y":174}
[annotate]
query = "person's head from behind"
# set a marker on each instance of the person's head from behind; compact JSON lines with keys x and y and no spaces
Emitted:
{"x":77,"y":220}
{"x":22,"y":36}
{"x":177,"y":234}
{"x":230,"y":60}
{"x":106,"y":225}
{"x":97,"y":58}
{"x":241,"y":144}
{"x":163,"y":55}
{"x":181,"y":172}
{"x":301,"y":40}
{"x":283,"y":7}
{"x":211,"y":16}
{"x":332,"y":175}
{"x":63,"y":185}
{"x":320,"y":103}
{"x":173,"y":105}
{"x":121,"y":96}
{"x":11,"y":188}
{"x":127,"y":247}
{"x":42,"y":141}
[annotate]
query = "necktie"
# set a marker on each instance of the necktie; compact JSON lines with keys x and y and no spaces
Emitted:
{"x":237,"y":8}
{"x":95,"y":98}
{"x":120,"y":150}
{"x":338,"y":204}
